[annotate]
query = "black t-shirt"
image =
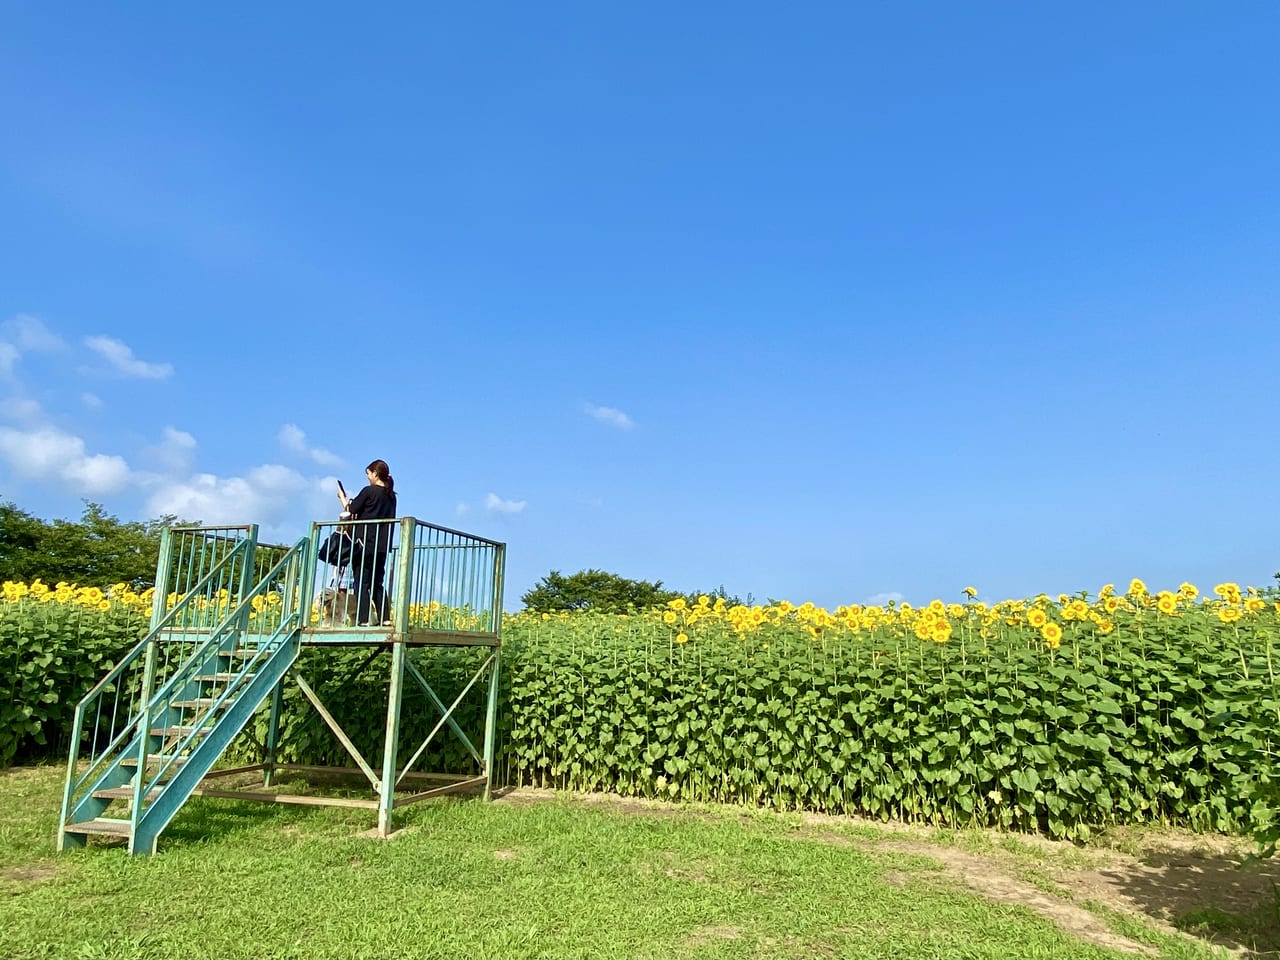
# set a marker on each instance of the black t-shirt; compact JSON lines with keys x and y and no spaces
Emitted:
{"x":373,"y":503}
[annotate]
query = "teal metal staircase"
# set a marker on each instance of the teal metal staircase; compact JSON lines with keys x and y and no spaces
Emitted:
{"x":156,"y":724}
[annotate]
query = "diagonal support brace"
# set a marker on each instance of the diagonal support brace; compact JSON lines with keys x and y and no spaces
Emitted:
{"x":337,"y":730}
{"x":448,"y":714}
{"x":453,"y":724}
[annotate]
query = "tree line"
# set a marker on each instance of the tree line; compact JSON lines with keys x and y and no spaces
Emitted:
{"x":99,"y":550}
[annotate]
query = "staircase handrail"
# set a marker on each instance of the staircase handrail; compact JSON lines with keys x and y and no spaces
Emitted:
{"x":290,"y":618}
{"x":77,"y":726}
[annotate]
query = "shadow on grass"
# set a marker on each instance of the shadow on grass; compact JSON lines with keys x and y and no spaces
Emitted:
{"x":204,"y":820}
{"x":1209,"y":896}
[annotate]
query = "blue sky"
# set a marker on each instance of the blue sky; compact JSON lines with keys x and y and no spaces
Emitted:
{"x":823,"y":302}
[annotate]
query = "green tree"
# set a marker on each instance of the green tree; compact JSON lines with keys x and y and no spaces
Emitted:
{"x":720,"y":593}
{"x":99,"y":550}
{"x":595,"y":590}
{"x":21,"y":535}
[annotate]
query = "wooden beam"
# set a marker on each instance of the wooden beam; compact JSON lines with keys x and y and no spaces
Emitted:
{"x":285,"y":798}
{"x":451,"y":788}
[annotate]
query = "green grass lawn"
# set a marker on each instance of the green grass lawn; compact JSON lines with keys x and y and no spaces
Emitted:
{"x":465,"y":878}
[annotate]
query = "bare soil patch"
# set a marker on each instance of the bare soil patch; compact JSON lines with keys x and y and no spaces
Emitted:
{"x":28,"y":874}
{"x":992,"y":880}
{"x":710,"y":934}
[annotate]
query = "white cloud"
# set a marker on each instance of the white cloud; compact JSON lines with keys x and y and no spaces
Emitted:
{"x":9,"y":355}
{"x":174,"y":455}
{"x":462,"y":509}
{"x":614,"y":418}
{"x":121,"y":357}
{"x":880,"y":599}
{"x":267,"y":496}
{"x":294,"y":440}
{"x":48,"y":453}
{"x":20,"y":409}
{"x":179,"y":438}
{"x":28,"y":333}
{"x":495,"y":504}
{"x":91,"y":400}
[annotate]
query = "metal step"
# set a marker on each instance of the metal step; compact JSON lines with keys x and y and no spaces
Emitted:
{"x":102,"y":825}
{"x":195,"y":704}
{"x":180,"y":730}
{"x":122,"y":793}
{"x":153,"y":760}
{"x":223,"y":677}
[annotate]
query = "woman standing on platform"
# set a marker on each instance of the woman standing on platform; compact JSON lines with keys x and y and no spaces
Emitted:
{"x":377,"y":501}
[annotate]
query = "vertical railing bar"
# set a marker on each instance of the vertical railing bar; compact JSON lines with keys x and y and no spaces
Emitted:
{"x":470,"y":578}
{"x":433,"y":579}
{"x":424,"y":593}
{"x":474,"y":592}
{"x":455,"y":575}
{"x":429,"y":578}
{"x":428,"y":558}
{"x":419,"y":563}
{"x":432,"y":586}
{"x":440,"y":586}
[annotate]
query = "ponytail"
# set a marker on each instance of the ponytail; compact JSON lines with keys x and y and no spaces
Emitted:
{"x":380,"y":470}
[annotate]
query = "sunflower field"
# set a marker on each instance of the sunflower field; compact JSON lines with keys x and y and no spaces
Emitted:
{"x":1054,"y":714}
{"x":1057,"y":714}
{"x":55,"y":644}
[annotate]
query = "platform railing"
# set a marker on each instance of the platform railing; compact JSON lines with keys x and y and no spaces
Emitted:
{"x":430,"y":578}
{"x":455,"y":580}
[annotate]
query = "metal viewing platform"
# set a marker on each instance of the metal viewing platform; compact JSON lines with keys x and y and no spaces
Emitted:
{"x":229,"y":621}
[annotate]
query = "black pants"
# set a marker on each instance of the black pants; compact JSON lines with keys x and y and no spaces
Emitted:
{"x":368,"y":568}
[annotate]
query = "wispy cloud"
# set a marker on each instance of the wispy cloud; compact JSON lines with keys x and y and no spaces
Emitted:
{"x":122,"y":360}
{"x":293,"y":439}
{"x":609,"y":415}
{"x":91,"y":400}
{"x":880,"y":599}
{"x":29,"y":333}
{"x":48,"y":454}
{"x":24,"y":334}
{"x":462,"y":509}
{"x":9,"y":355}
{"x":495,"y":504}
{"x":21,"y":408}
{"x":174,"y":455}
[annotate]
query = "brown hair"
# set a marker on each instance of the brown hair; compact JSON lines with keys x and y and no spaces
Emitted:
{"x":383,"y":473}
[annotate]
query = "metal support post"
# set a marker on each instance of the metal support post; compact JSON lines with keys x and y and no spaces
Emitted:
{"x":273,"y":733}
{"x":491,"y":714}
{"x":491,"y":722}
{"x":404,"y":576}
{"x":248,"y":579}
{"x":387,"y":788}
{"x":162,"y":577}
